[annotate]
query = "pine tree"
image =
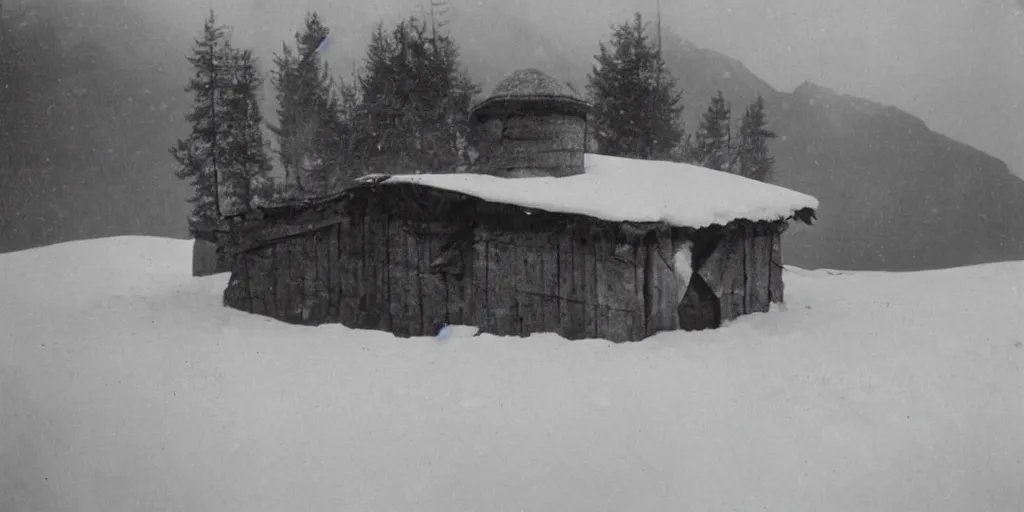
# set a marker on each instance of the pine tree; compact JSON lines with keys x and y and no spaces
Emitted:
{"x":202,"y":155}
{"x":712,"y":147}
{"x":247,"y":164}
{"x":752,"y":157}
{"x":637,"y":107}
{"x":224,"y":157}
{"x":415,"y":98}
{"x":308,"y":111}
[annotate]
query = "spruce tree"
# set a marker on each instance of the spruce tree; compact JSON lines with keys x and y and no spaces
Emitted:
{"x":308,"y":112}
{"x":752,"y":156}
{"x":202,"y":155}
{"x":637,"y":107}
{"x":247,"y":164}
{"x":415,"y":99}
{"x":713,"y":144}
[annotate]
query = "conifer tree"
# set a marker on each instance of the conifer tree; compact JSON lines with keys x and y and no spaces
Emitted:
{"x":247,"y":164}
{"x":752,"y":156}
{"x":202,"y":155}
{"x":713,"y":143}
{"x":308,"y":111}
{"x":637,"y":106}
{"x":224,"y":156}
{"x":415,"y":99}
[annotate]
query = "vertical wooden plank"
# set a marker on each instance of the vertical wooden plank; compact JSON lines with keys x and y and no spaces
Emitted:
{"x":551,"y":316}
{"x":257,"y":265}
{"x":588,"y":283}
{"x":316,"y":248}
{"x":397,"y":276}
{"x":621,"y":290}
{"x":377,"y":311}
{"x":479,"y":306}
{"x":501,"y":292}
{"x":282,"y":271}
{"x":238,"y":291}
{"x":369,"y":309}
{"x":324,"y":241}
{"x":640,"y":317}
{"x":761,"y":253}
{"x":296,"y":282}
{"x":268,"y":281}
{"x":310,"y":277}
{"x":732,"y":304}
{"x":334,"y":278}
{"x":348,"y":257}
{"x":608,"y":321}
{"x":776,"y":285}
{"x":749,"y":269}
{"x":413,"y":284}
{"x":570,"y":300}
{"x":530,"y":285}
{"x":355,"y":282}
{"x":458,"y":288}
{"x":662,"y":293}
{"x":434,"y":299}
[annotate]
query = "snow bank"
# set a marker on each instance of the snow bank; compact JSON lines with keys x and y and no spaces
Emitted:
{"x":136,"y":390}
{"x":622,"y":189}
{"x":682,"y":260}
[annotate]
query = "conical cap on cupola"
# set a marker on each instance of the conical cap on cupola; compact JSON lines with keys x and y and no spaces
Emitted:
{"x":530,"y":125}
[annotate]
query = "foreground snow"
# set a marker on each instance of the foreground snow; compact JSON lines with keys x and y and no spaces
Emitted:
{"x":622,"y":189}
{"x":125,"y":386}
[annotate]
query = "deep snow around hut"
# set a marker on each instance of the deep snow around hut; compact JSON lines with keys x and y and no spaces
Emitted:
{"x":622,"y":189}
{"x":126,"y":386}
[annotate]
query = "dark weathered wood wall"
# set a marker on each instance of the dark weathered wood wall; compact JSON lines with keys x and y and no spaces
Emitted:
{"x":408,"y":271}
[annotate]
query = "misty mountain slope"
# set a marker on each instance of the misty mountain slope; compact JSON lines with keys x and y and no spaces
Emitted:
{"x":701,"y":73}
{"x":894,"y":194}
{"x":494,"y":42}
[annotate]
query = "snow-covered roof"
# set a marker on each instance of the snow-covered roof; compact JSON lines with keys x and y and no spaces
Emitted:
{"x":621,"y":189}
{"x":530,"y":85}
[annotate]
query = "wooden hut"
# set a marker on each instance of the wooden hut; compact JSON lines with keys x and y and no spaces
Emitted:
{"x":625,"y":250}
{"x":530,"y":125}
{"x":541,"y":238}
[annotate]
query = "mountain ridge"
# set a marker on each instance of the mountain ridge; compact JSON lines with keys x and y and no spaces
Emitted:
{"x":894,"y":192}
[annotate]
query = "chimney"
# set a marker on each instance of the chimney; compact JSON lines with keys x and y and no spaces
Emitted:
{"x":530,"y":126}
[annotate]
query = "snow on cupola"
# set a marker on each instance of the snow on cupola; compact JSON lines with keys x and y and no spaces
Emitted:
{"x":530,"y":126}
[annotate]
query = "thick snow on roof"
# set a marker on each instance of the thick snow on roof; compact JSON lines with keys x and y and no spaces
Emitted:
{"x":530,"y":85}
{"x":622,"y":189}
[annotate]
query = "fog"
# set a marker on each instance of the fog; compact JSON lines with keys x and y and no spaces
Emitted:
{"x":94,"y":162}
{"x":957,"y":64}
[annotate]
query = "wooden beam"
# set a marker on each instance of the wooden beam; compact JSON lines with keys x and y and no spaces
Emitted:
{"x":267,"y":236}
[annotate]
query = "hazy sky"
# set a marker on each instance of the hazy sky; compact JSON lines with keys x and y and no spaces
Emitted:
{"x":957,"y":64}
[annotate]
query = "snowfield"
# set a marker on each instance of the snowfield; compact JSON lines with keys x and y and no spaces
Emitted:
{"x":125,"y":386}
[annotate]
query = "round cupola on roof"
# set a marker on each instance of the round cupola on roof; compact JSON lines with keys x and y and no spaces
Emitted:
{"x":530,"y":125}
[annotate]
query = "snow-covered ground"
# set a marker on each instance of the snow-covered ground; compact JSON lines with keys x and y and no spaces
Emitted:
{"x":125,"y":386}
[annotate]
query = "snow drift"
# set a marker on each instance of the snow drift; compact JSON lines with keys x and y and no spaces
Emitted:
{"x":124,"y":385}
